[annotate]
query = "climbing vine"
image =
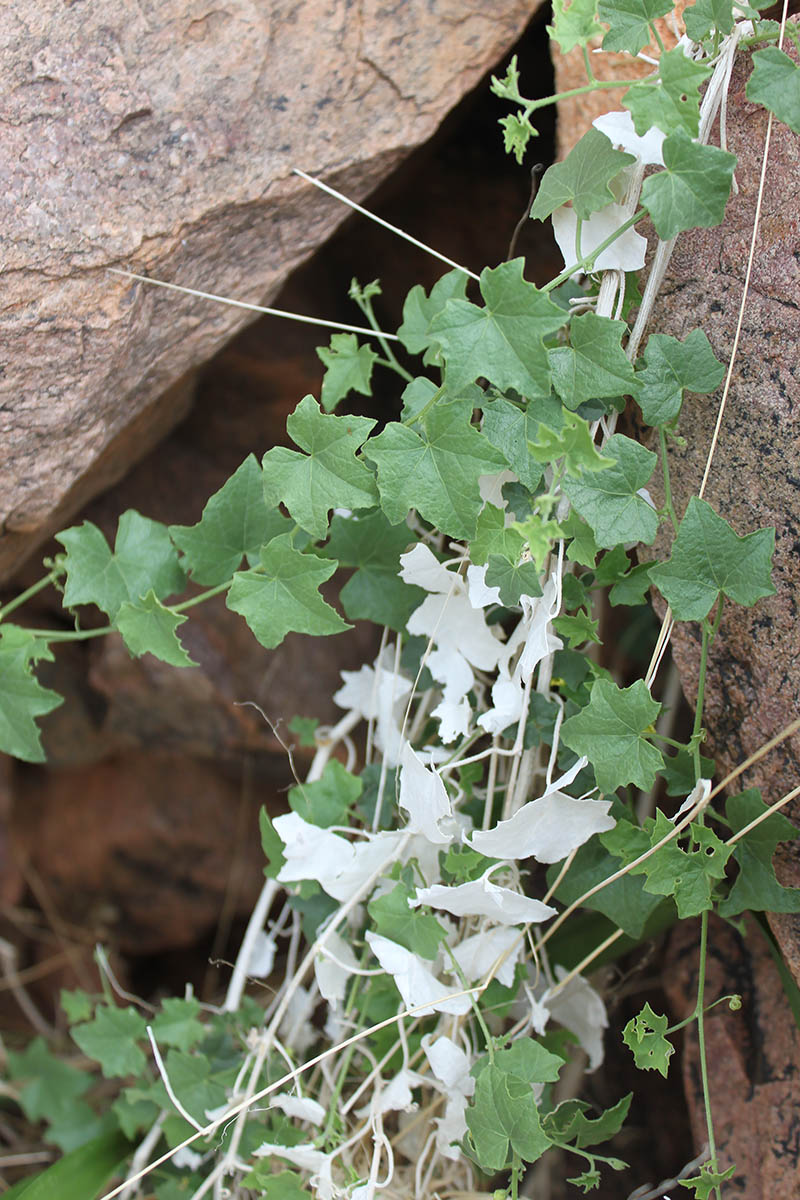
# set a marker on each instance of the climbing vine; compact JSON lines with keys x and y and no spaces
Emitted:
{"x":480,"y":788}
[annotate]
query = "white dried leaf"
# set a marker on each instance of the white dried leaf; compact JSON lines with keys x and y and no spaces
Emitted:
{"x":477,"y":955}
{"x":333,"y":967}
{"x":507,"y":699}
{"x":453,"y":623}
{"x":415,"y":982}
{"x":579,"y":1008}
{"x":301,"y":1107}
{"x":491,"y":487}
{"x":547,"y":829}
{"x":480,"y":595}
{"x":311,"y":852}
{"x":620,"y":130}
{"x":482,"y":898}
{"x":450,"y":1063}
{"x":627,"y":253}
{"x":379,"y":695}
{"x":421,"y":567}
{"x":262,"y":956}
{"x":424,"y":797}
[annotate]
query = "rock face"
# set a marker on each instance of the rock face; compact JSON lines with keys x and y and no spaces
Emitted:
{"x":753,"y":688}
{"x":161,"y":138}
{"x":752,"y":1056}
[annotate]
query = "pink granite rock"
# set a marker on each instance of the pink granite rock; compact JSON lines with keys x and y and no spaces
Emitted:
{"x":162,"y":139}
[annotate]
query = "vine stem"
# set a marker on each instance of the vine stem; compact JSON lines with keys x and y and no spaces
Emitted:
{"x":701,"y":1044}
{"x":19,"y":600}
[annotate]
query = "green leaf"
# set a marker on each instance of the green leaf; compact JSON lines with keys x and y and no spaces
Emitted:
{"x":395,"y":920}
{"x":568,"y":1122}
{"x":672,"y":368}
{"x":111,"y":1040}
{"x":577,"y":628}
{"x":77,"y":1005}
{"x":756,"y":886}
{"x":624,"y":901}
{"x":416,"y":395}
{"x":148,"y":627}
{"x":673,"y":101}
{"x":574,"y":23}
{"x":530,"y":1061}
{"x":509,"y":429}
{"x":326,"y":800}
{"x":587,"y":1181}
{"x":583,"y":549}
{"x":349,"y":369}
{"x":236,"y":521}
{"x":78,"y":1124}
{"x":271,"y":844}
{"x":22,"y":697}
{"x":679,"y":772}
{"x":573,"y":442}
{"x":193,"y":1082}
{"x":775,"y":83}
{"x":594,"y":365}
{"x":630,"y":22}
{"x":609,"y":499}
{"x":709,"y":558}
{"x":305,"y":728}
{"x":375,"y":592}
{"x":144,"y":558}
{"x":513,"y":579}
{"x":502,"y":1113}
{"x":493,"y":539}
{"x":502,"y":341}
{"x":693,"y":189}
{"x":81,"y":1174}
{"x":52,"y":1085}
{"x":644,"y":1035}
{"x":539,"y":534}
{"x":435,"y":471}
{"x":708,"y":15}
{"x":177,"y":1024}
{"x":284,"y":595}
{"x":285,"y":1185}
{"x":688,"y":875}
{"x":517,"y":132}
{"x":419,"y":311}
{"x":583,"y":178}
{"x":328,"y":475}
{"x":633,"y":587}
{"x":611,"y":730}
{"x":707,"y":1181}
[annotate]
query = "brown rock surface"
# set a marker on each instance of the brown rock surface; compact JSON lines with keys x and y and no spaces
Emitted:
{"x":125,"y":847}
{"x":162,"y":138}
{"x":753,"y":1059}
{"x":753,"y":688}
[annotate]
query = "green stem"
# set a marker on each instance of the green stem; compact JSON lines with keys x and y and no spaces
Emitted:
{"x":437,"y":395}
{"x":595,"y":86}
{"x":19,"y":600}
{"x":587,"y":64}
{"x":585,"y":264}
{"x":214,"y":591}
{"x":667,"y":740}
{"x":70,"y":635}
{"x":708,"y":633}
{"x":657,"y":38}
{"x":668,"y":504}
{"x":484,"y":1028}
{"x":682,"y":1024}
{"x":365,"y":304}
{"x":701,"y":1044}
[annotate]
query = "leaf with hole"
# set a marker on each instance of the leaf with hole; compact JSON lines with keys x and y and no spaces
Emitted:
{"x":693,"y":189}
